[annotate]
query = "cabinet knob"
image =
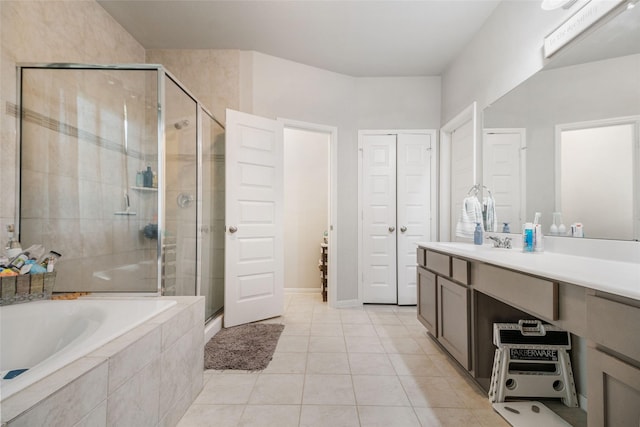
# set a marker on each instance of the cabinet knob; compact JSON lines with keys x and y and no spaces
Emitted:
{"x":233,"y":229}
{"x":403,"y":228}
{"x":392,"y":229}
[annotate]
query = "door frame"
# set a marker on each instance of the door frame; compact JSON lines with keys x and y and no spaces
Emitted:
{"x":332,"y":131}
{"x":444,"y":187}
{"x":434,"y":187}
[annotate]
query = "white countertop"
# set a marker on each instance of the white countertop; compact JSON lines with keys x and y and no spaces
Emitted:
{"x":615,"y":277}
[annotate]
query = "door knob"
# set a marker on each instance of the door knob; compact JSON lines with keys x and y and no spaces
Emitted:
{"x":233,"y":229}
{"x":403,"y":228}
{"x":392,"y":229}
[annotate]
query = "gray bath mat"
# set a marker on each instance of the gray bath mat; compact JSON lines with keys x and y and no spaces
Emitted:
{"x":245,"y":347}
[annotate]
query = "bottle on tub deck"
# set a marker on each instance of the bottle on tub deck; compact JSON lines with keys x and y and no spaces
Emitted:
{"x":527,"y":237}
{"x":477,"y":234}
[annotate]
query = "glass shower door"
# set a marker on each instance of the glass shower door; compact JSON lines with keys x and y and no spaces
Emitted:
{"x":179,"y":238}
{"x":212,"y":269}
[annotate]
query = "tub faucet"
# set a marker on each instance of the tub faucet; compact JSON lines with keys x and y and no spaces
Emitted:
{"x":501,"y":243}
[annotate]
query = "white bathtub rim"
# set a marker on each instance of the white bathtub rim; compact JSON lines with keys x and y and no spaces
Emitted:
{"x":57,"y":362}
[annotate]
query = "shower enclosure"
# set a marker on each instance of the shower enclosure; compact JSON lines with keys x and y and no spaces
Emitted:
{"x":122,"y":171}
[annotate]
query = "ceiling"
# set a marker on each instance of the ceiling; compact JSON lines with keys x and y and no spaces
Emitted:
{"x":359,"y":38}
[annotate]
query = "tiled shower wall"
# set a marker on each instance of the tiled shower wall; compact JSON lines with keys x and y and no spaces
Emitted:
{"x":49,"y":31}
{"x":85,"y":135}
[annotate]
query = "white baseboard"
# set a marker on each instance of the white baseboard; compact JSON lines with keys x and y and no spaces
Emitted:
{"x":212,"y":327}
{"x":302,"y":290}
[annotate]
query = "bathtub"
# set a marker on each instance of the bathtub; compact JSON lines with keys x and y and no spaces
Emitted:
{"x":44,"y":336}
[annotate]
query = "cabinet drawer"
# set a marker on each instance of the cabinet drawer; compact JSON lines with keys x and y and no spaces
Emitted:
{"x":614,"y":325}
{"x":421,"y":257}
{"x":460,"y":270}
{"x":531,"y":294}
{"x":439,"y":263}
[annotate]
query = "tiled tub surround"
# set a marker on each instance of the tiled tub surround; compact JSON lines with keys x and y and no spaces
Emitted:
{"x":147,"y":377}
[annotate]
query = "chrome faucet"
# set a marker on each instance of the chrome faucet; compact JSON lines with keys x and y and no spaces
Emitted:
{"x":501,"y":243}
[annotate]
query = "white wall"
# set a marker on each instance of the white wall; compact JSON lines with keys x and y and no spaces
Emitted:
{"x":274,"y":87}
{"x":505,"y":52}
{"x":306,"y":205}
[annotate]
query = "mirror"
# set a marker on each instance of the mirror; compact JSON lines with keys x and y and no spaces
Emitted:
{"x":566,"y":140}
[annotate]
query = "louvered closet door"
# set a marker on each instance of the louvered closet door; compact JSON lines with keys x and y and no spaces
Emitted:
{"x":379,"y":219}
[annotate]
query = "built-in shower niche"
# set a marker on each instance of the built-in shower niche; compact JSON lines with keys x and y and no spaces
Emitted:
{"x":88,"y":135}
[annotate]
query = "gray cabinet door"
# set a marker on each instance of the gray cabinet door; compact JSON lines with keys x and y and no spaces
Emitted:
{"x":614,"y":391}
{"x":427,"y":314}
{"x":453,"y":319}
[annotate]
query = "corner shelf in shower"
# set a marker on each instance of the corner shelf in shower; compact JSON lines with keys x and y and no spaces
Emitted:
{"x":152,"y":189}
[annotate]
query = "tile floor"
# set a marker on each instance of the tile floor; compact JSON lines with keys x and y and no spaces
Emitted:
{"x":371,"y":366}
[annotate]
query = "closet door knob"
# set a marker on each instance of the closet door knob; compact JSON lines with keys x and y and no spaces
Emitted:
{"x":392,"y":229}
{"x":403,"y":228}
{"x":233,"y":229}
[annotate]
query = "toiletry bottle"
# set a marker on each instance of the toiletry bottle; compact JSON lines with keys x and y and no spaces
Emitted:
{"x":538,"y":238}
{"x":148,"y":177}
{"x":477,"y":234}
{"x":154,"y":180}
{"x":527,"y":237}
{"x":140,"y":179}
{"x":505,"y":227}
{"x":12,"y":248}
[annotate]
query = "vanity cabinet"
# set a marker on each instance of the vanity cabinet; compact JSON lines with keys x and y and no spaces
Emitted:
{"x":453,"y":319}
{"x":427,"y":298}
{"x":613,"y":357}
{"x":444,"y":302}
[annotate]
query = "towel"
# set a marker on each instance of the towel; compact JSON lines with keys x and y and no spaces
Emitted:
{"x":470,"y":215}
{"x":490,"y":214}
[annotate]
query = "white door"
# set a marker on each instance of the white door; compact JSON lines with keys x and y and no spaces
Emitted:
{"x":462,"y":171}
{"x":413,"y":208}
{"x":503,"y":174}
{"x":379,"y":219}
{"x":254,"y":254}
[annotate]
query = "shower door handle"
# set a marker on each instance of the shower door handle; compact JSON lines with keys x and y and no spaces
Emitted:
{"x":233,"y":229}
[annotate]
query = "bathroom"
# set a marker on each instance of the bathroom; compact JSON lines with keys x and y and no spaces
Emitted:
{"x":82,"y":32}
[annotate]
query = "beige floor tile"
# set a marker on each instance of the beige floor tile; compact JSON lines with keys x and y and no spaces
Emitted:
{"x":376,"y":390}
{"x":428,"y":345}
{"x":327,"y":345}
{"x":327,"y":363}
{"x":326,"y":329}
{"x":359,"y":330}
{"x":328,"y":416}
{"x":290,"y":318}
{"x":297,"y":329}
{"x":401,"y":345}
{"x":445,"y":417}
{"x":326,"y":317}
{"x":364,"y":345}
{"x":386,"y":331}
{"x":387,"y":416}
{"x":328,"y":390}
{"x":204,"y":415}
{"x":370,"y":364}
{"x":277,"y":389}
{"x":414,"y":364}
{"x":270,"y":416}
{"x":380,"y":308}
{"x":287,"y":363}
{"x":224,"y":389}
{"x":355,"y":317}
{"x":489,"y":418}
{"x":383,"y":318}
{"x":292,"y":344}
{"x":447,"y":365}
{"x":431,"y":392}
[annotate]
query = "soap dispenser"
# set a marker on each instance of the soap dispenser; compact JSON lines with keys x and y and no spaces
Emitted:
{"x":477,"y":234}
